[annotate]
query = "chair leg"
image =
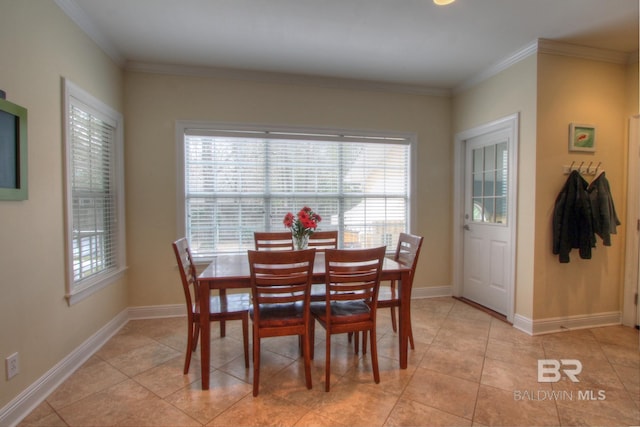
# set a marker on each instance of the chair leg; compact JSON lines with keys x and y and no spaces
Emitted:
{"x":374,"y":357}
{"x":190,"y":347}
{"x":223,"y":329}
{"x":256,"y":362}
{"x":312,"y":338}
{"x":364,"y":342}
{"x":245,"y":339}
{"x":327,"y":365}
{"x":196,"y":335}
{"x":356,"y":342}
{"x":394,"y":323}
{"x":413,"y":347}
{"x":307,"y":359}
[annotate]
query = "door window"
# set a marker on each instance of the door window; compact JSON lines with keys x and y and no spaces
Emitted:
{"x":489,"y":195}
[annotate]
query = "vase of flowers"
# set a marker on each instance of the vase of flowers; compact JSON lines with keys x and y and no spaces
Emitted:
{"x":302,"y":226}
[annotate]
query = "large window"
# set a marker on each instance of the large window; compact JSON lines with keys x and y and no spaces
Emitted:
{"x":94,"y":193}
{"x":239,"y":181}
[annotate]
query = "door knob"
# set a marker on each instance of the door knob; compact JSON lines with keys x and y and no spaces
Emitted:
{"x":466,"y":227}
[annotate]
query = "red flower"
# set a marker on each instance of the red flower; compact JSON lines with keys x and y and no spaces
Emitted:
{"x":305,"y":223}
{"x":288,"y":220}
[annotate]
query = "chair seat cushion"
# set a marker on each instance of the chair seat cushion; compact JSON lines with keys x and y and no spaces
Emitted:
{"x":342,"y":311}
{"x":280,"y":314}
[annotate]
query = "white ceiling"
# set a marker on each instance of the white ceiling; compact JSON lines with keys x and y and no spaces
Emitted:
{"x":406,"y":42}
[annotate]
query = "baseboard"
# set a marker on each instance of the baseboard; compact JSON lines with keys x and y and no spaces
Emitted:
{"x":566,"y":323}
{"x":37,"y":392}
{"x":157,"y":311}
{"x":431,"y":292}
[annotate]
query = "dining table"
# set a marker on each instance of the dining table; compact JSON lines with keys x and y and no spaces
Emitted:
{"x":231,"y":271}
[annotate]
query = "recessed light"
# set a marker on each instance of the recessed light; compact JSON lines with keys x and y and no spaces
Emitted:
{"x":443,"y":2}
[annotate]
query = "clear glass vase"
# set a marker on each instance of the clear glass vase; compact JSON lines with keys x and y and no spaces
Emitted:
{"x":300,"y":241}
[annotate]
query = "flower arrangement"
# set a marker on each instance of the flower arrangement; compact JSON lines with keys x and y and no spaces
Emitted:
{"x":302,"y":226}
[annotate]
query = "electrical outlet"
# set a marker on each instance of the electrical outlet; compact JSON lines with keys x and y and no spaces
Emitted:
{"x":12,"y":364}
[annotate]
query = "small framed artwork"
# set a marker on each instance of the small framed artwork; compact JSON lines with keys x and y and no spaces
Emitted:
{"x":582,"y":137}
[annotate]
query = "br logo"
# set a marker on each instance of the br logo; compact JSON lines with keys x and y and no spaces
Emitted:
{"x":549,"y":370}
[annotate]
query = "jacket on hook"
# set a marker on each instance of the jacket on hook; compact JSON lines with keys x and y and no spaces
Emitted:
{"x":605,"y":218}
{"x":572,"y":219}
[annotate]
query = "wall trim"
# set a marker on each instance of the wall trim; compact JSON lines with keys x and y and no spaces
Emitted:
{"x":36,"y":393}
{"x":566,"y":323}
{"x":157,"y":311}
{"x":86,"y":24}
{"x":431,"y":292}
{"x":284,"y":78}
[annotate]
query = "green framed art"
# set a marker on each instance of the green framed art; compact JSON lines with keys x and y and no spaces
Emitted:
{"x":13,"y":151}
{"x":582,"y":137}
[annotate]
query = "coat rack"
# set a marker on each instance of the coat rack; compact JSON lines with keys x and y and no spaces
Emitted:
{"x":582,"y":168}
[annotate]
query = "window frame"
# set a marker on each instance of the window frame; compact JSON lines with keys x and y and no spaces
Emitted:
{"x":73,"y":95}
{"x":183,"y":126}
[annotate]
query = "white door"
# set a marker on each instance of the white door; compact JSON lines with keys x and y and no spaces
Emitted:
{"x":487,"y":225}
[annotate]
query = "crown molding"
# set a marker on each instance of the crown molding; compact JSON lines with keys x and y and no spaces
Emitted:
{"x":82,"y":20}
{"x":550,"y":47}
{"x":274,"y":77}
{"x":500,"y":66}
{"x":553,"y":47}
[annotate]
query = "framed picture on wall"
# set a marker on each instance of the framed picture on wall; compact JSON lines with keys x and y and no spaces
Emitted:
{"x":582,"y":137}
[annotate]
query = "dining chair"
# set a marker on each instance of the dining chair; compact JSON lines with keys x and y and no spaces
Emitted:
{"x":273,"y":241}
{"x":351,"y":297}
{"x":322,"y":240}
{"x":280,"y":292}
{"x":407,"y":253}
{"x":222,"y":308}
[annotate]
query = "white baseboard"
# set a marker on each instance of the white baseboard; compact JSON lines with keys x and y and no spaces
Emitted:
{"x":157,"y":311}
{"x":566,"y":323}
{"x":36,"y":393}
{"x":431,"y":292}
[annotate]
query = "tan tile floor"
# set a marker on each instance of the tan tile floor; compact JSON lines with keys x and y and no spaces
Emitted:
{"x":467,"y":369}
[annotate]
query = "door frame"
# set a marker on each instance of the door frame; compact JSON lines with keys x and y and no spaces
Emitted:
{"x":630,"y":309}
{"x":510,"y":123}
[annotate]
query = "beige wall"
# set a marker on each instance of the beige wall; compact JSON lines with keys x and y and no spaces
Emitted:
{"x":35,"y":319}
{"x":154,"y":103}
{"x":38,"y":45}
{"x":511,"y":91}
{"x":597,"y":93}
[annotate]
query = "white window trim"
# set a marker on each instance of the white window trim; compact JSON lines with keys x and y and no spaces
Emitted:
{"x":76,"y":292}
{"x":183,"y":125}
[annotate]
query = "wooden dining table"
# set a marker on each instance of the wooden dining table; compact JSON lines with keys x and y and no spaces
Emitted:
{"x":232,"y":272}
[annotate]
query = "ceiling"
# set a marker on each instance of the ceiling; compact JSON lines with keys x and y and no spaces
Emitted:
{"x":403,"y":42}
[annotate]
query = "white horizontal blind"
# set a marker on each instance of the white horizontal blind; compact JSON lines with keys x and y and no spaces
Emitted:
{"x":94,"y":210}
{"x":238,"y":182}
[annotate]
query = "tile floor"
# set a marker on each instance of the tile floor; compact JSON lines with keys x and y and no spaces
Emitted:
{"x":467,"y":369}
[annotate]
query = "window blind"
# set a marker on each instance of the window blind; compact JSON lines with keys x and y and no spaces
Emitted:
{"x":238,"y":182}
{"x":94,"y":211}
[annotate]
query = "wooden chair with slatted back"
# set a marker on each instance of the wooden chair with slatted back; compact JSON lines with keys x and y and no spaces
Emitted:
{"x":322,"y":240}
{"x":229,"y":307}
{"x":407,"y":253}
{"x":351,"y":298}
{"x":273,"y":241}
{"x":280,"y":292}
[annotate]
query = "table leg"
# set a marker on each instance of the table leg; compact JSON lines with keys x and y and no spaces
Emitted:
{"x":405,"y":316}
{"x":205,"y":335}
